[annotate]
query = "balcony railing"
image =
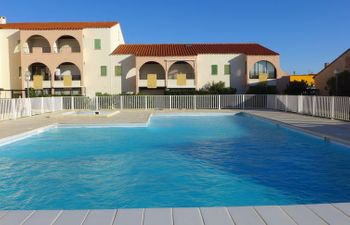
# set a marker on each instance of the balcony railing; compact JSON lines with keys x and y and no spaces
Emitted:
{"x":190,"y":83}
{"x":30,"y":50}
{"x":74,"y":77}
{"x":144,"y":83}
{"x":67,"y":49}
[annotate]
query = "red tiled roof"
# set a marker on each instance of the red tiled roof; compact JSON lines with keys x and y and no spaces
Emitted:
{"x":57,"y":25}
{"x":191,"y":49}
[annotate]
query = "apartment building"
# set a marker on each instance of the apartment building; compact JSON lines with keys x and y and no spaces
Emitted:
{"x":85,"y":58}
{"x":62,"y":58}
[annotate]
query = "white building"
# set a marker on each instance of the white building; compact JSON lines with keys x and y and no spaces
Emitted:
{"x":85,"y":58}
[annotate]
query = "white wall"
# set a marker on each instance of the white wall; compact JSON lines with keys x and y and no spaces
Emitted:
{"x":127,"y":82}
{"x":94,"y":59}
{"x":10,"y":60}
{"x":235,"y":80}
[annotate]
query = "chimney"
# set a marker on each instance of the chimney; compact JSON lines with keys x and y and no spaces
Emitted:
{"x":326,"y":65}
{"x":2,"y":20}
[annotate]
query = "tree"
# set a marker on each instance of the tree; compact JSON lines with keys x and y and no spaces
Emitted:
{"x":339,"y":84}
{"x":297,"y":88}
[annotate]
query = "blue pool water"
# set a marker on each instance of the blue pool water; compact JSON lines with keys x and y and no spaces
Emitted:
{"x":175,"y":162}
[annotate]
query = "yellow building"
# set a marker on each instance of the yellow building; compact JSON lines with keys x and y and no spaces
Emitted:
{"x":308,"y":78}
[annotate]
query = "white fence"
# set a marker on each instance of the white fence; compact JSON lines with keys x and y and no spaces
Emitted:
{"x":24,"y":107}
{"x":321,"y":106}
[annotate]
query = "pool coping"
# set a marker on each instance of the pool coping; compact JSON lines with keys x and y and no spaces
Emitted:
{"x":337,"y":213}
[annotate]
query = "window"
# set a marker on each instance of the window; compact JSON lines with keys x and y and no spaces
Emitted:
{"x":214,"y":69}
{"x":227,"y":69}
{"x":118,"y":70}
{"x":97,"y":44}
{"x":20,"y":71}
{"x":103,"y":70}
{"x":262,"y":67}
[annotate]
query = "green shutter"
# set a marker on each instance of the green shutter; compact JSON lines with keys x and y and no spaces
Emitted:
{"x":97,"y":44}
{"x":227,"y":69}
{"x":103,"y":70}
{"x":118,"y":70}
{"x":214,"y":69}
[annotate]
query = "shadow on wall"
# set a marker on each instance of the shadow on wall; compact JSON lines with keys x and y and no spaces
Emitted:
{"x":128,"y":79}
{"x":14,"y":61}
{"x":238,"y":81}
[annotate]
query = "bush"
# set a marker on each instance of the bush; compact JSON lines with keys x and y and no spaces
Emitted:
{"x":208,"y":89}
{"x":262,"y":89}
{"x":297,"y":88}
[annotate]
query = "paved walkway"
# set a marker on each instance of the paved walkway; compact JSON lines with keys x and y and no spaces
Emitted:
{"x":332,"y":129}
{"x":272,"y":215}
{"x":323,"y":214}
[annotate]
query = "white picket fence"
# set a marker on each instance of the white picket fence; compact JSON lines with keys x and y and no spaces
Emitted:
{"x":320,"y":106}
{"x":24,"y":107}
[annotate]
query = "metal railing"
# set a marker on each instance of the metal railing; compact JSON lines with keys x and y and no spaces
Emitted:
{"x":320,"y":106}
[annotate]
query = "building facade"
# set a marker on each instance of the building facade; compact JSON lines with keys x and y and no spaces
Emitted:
{"x":340,"y":64}
{"x":88,"y":58}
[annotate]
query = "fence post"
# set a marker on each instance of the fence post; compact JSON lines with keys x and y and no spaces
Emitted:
{"x":97,"y":103}
{"x":194,"y":102}
{"x":301,"y":104}
{"x":286,"y":105}
{"x":146,"y":102}
{"x":332,"y":108}
{"x":275,"y":102}
{"x":313,"y":105}
{"x":13,"y":109}
{"x":243,"y":105}
{"x":219,"y":102}
{"x":72,"y":103}
{"x":121,"y":102}
{"x":61,"y":106}
{"x":170,"y":101}
{"x":52,"y":104}
{"x":42,"y":105}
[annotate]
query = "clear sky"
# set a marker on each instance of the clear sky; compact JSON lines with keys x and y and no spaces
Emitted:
{"x":307,"y":33}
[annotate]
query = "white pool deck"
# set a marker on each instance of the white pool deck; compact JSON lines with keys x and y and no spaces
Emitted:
{"x":338,"y":213}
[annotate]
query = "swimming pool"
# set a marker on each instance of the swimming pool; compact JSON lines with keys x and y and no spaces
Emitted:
{"x":177,"y":161}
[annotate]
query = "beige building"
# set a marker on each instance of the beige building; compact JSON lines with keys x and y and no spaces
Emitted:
{"x":86,"y":58}
{"x":154,"y":68}
{"x":62,"y":58}
{"x":339,"y":65}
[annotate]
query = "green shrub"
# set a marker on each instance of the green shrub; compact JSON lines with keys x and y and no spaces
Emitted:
{"x":209,"y":89}
{"x":262,"y":89}
{"x":297,"y":88}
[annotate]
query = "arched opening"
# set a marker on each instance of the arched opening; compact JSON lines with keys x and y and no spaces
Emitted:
{"x":67,"y":43}
{"x":37,"y":43}
{"x":67,"y":69}
{"x":181,"y":67}
{"x":263,"y":67}
{"x":39,"y":69}
{"x":152,"y":68}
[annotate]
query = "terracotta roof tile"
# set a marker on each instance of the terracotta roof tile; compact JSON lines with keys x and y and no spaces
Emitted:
{"x":191,"y":49}
{"x":57,"y":25}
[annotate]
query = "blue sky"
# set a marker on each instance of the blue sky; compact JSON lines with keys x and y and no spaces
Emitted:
{"x":306,"y":33}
